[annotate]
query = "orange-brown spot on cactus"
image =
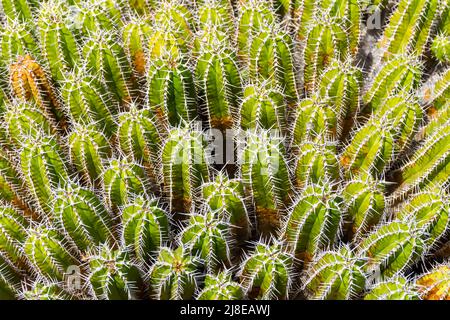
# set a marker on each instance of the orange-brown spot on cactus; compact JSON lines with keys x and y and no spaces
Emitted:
{"x":345,"y":161}
{"x":435,"y":285}
{"x":432,"y":112}
{"x":140,"y":62}
{"x":222,"y":122}
{"x":268,"y":220}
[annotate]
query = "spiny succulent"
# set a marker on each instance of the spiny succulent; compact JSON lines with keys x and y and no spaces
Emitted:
{"x":224,"y":150}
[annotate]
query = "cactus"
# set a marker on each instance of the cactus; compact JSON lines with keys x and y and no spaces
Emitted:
{"x":123,"y":179}
{"x":43,"y":169}
{"x":314,"y":118}
{"x":206,"y":237}
{"x":271,"y":59}
{"x":339,"y":86}
{"x":114,"y":275}
{"x":25,"y":119}
{"x":221,"y":287}
{"x":395,"y":289}
{"x":82,"y":216}
{"x":262,"y":107}
{"x":171,"y":91}
{"x":430,"y":209}
{"x":218,"y":149}
{"x":9,"y":280}
{"x":435,"y":284}
{"x":403,"y":115}
{"x":145,"y":228}
{"x":219,"y":85}
{"x":89,"y":150}
{"x":335,"y":275}
{"x":427,"y":166}
{"x":17,"y":40}
{"x":314,"y":221}
{"x":410,"y":27}
{"x":400,"y":74}
{"x":140,"y":139}
{"x":174,"y":275}
{"x":316,"y":163}
{"x":369,"y":152}
{"x":86,"y":102}
{"x":325,"y":41}
{"x":184,"y":168}
{"x":135,"y":43}
{"x":107,"y":59}
{"x":265,"y":174}
{"x":253,"y":17}
{"x":59,"y":45}
{"x":47,"y":251}
{"x":441,"y":48}
{"x":22,"y":9}
{"x":45,"y":290}
{"x":267,"y":272}
{"x":392,"y":248}
{"x":364,"y":205}
{"x":13,"y":227}
{"x":30,"y":82}
{"x":225,"y":197}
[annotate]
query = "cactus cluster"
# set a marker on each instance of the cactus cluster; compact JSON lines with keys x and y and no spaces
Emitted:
{"x":224,"y":150}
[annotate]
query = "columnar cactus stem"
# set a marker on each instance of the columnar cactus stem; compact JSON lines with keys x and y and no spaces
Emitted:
{"x":441,"y":48}
{"x":436,"y":92}
{"x":114,"y":275}
{"x":221,"y":287}
{"x":43,"y":289}
{"x":135,"y":38}
{"x":400,"y":74}
{"x":140,"y":139}
{"x":364,"y":204}
{"x":267,"y":272}
{"x":171,"y":91}
{"x":314,"y":118}
{"x":340,"y":87}
{"x":9,"y":280}
{"x":43,"y":169}
{"x":82,"y":216}
{"x":262,"y":107}
{"x":13,"y":233}
{"x":431,"y":210}
{"x":316,"y":163}
{"x":59,"y":46}
{"x":184,"y":168}
{"x":25,"y":119}
{"x":398,"y":288}
{"x":404,"y":116}
{"x":89,"y":150}
{"x":175,"y":15}
{"x":392,"y":248}
{"x":271,"y":59}
{"x":219,"y":84}
{"x":107,"y":60}
{"x":22,"y":9}
{"x":29,"y":82}
{"x":253,"y":17}
{"x":435,"y":284}
{"x":325,"y":41}
{"x":86,"y":101}
{"x":410,"y":27}
{"x":145,"y":228}
{"x":265,"y":174}
{"x":174,"y":275}
{"x":17,"y":40}
{"x":335,"y":275}
{"x":47,"y":252}
{"x":225,"y":197}
{"x":428,"y":165}
{"x":207,"y":237}
{"x":123,"y":179}
{"x":314,"y":221}
{"x":369,"y":152}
